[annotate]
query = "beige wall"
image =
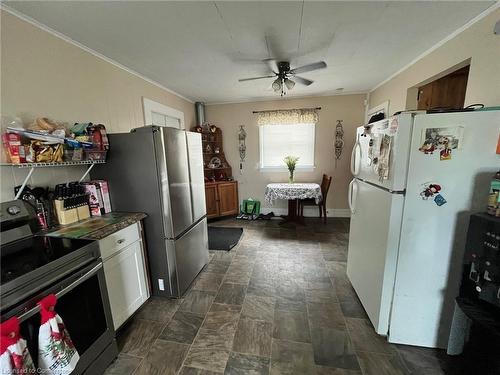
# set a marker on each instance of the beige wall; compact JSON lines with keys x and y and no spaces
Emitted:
{"x":477,"y":43}
{"x":252,"y":182}
{"x":42,"y":75}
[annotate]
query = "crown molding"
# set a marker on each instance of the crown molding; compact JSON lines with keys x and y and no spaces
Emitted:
{"x":99,"y":55}
{"x":479,"y":17}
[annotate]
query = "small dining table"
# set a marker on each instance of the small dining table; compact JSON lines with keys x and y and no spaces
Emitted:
{"x":292,"y":192}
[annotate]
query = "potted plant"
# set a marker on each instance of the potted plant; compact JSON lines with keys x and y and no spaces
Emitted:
{"x":291,"y":162}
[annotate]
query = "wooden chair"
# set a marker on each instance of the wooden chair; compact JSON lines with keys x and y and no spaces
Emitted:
{"x":325,"y":186}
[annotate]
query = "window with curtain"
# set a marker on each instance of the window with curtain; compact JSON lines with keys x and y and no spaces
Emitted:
{"x":287,"y":132}
{"x":278,"y":141}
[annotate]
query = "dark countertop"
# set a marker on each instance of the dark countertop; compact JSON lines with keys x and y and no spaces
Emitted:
{"x":97,"y":227}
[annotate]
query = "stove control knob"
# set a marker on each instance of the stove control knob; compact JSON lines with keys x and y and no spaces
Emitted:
{"x":13,"y":210}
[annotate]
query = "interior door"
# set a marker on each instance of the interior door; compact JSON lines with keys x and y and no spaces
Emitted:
{"x":228,"y":198}
{"x":175,"y":182}
{"x":195,"y":157}
{"x":373,"y":247}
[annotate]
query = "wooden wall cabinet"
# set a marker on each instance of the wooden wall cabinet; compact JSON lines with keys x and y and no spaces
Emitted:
{"x":221,"y":198}
{"x":445,"y":92}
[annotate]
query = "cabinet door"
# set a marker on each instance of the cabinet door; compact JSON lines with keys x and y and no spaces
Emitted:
{"x":228,"y":198}
{"x":211,"y":199}
{"x":126,"y":282}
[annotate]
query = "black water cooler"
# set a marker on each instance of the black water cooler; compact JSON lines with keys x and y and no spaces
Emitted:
{"x":479,"y":297}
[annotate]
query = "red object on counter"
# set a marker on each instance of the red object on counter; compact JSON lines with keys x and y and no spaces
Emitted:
{"x":498,"y":145}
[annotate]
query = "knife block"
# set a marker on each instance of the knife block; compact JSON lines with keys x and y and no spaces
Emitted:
{"x":65,"y":216}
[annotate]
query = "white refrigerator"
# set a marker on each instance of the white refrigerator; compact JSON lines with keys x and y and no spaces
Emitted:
{"x":405,"y":252}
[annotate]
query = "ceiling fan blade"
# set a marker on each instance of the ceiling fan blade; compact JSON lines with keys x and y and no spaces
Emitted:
{"x":272,"y":65}
{"x":309,"y":68}
{"x":254,"y":78}
{"x":303,"y":81}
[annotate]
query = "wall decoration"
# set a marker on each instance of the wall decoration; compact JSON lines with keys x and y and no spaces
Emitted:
{"x":442,"y":139}
{"x":242,"y":148}
{"x":339,"y":140}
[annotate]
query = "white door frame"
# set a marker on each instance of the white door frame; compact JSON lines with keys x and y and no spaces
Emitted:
{"x":150,"y":106}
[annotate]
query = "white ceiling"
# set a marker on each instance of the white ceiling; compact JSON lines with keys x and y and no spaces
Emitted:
{"x":200,"y":49}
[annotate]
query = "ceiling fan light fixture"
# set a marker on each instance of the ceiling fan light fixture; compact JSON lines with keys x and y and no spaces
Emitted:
{"x":289,"y":83}
{"x":277,"y":85}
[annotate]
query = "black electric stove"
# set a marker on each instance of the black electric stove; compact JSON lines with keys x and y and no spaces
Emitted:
{"x":30,"y":263}
{"x":34,"y":266}
{"x":34,"y":262}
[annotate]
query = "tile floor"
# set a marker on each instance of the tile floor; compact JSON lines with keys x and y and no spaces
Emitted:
{"x":278,"y":303}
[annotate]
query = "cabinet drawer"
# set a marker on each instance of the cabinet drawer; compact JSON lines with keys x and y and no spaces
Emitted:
{"x":119,"y":240}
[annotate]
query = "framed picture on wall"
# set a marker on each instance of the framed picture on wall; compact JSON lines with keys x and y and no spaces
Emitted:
{"x":381,"y":108}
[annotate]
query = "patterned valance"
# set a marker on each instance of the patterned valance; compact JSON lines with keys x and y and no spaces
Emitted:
{"x":288,"y":117}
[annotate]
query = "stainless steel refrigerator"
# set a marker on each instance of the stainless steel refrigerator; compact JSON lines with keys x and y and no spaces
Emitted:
{"x":159,"y":171}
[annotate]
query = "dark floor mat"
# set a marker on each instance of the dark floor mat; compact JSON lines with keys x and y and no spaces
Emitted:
{"x":220,"y":238}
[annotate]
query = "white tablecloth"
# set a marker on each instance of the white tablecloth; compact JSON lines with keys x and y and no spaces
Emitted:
{"x":292,"y":191}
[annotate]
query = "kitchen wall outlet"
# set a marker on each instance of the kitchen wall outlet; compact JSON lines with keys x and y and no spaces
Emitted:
{"x":161,"y":284}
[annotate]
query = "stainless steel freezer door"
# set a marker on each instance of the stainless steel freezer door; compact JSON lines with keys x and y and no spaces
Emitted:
{"x":191,"y":255}
{"x":172,"y":159}
{"x":195,"y":156}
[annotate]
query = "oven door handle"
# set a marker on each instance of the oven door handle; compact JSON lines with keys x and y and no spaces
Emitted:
{"x":62,"y":292}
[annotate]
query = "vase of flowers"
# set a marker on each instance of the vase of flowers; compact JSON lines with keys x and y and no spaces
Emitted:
{"x":291,"y":162}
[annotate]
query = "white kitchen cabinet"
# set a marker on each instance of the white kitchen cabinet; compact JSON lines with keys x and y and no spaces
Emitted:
{"x":125,"y":272}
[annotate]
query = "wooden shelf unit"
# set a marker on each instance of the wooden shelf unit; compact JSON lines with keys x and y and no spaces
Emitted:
{"x":210,"y":142}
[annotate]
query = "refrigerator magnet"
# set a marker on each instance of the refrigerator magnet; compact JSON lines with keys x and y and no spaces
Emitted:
{"x":439,"y":200}
{"x":430,"y":190}
{"x":441,"y":138}
{"x":393,"y":128}
{"x":445,"y":154}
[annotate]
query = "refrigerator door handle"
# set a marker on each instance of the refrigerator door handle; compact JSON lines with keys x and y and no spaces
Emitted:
{"x":354,"y":159}
{"x":349,"y":195}
{"x":352,"y":195}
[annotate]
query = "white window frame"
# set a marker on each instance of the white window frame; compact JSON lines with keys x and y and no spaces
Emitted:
{"x":302,"y":168}
{"x":150,"y":106}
